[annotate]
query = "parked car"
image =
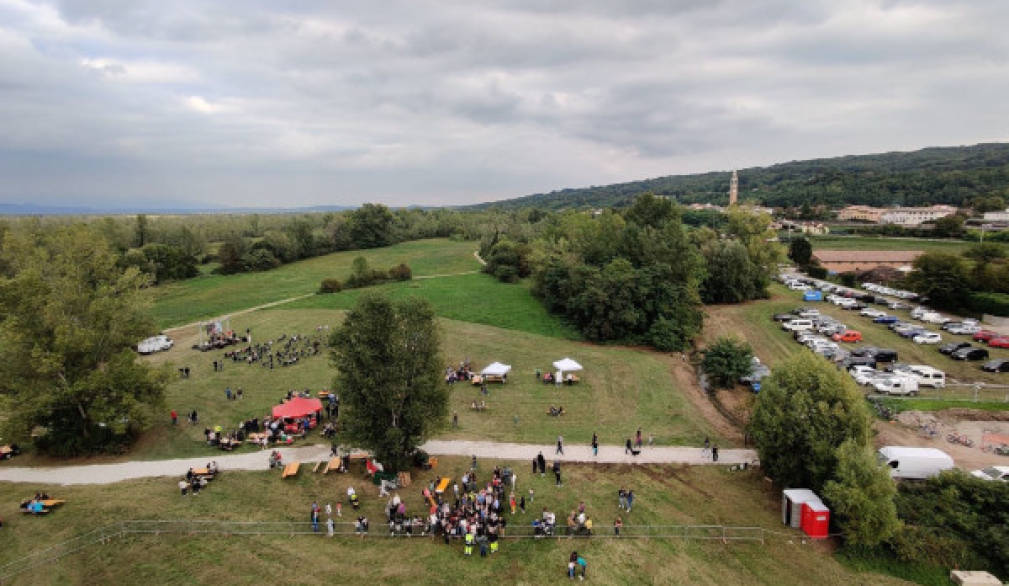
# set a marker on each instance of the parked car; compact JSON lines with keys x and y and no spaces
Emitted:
{"x":885,"y":319}
{"x":862,"y":374}
{"x":848,"y":336}
{"x":898,"y":305}
{"x":999,"y":473}
{"x":908,"y":331}
{"x":870,"y":312}
{"x":897,"y":385}
{"x":885,"y":355}
{"x":928,"y":338}
{"x":953,"y":347}
{"x":972,"y":353}
{"x":852,"y":361}
{"x":783,"y":317}
{"x":997,"y":365}
{"x":1000,"y":342}
{"x":809,"y":313}
{"x":985,"y":335}
{"x":797,"y":325}
{"x":961,"y":329}
{"x":155,"y":344}
{"x":757,"y":372}
{"x":797,"y":286}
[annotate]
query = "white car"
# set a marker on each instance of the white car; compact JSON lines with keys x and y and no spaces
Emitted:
{"x":963,"y":329}
{"x":799,"y":287}
{"x":863,"y":374}
{"x":155,"y":344}
{"x":896,"y":385}
{"x":809,"y":313}
{"x":927,"y":338}
{"x":873,"y":313}
{"x":1000,"y":473}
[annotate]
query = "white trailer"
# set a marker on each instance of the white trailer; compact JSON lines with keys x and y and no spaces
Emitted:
{"x":910,"y":463}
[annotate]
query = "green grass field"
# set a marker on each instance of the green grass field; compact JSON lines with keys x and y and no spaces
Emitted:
{"x":214,"y":295}
{"x":884,"y":243}
{"x":477,"y":298}
{"x":665,"y":496}
{"x":621,"y":389}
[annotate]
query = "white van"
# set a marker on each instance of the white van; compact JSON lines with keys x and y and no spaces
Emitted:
{"x":928,"y":376}
{"x":914,"y":463}
{"x":897,"y":385}
{"x":798,"y":325}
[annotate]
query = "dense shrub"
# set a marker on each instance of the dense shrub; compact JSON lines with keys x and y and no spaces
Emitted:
{"x":990,"y":303}
{"x":727,"y":360}
{"x":400,"y":272}
{"x":331,"y":286}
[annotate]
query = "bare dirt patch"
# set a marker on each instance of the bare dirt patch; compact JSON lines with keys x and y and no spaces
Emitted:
{"x":912,"y":428}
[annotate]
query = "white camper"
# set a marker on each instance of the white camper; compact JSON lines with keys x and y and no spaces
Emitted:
{"x":908,"y":463}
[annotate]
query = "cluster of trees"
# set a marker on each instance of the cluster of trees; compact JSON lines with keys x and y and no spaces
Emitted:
{"x":956,"y":175}
{"x":362,"y":275}
{"x":812,"y":429}
{"x":975,"y":282}
{"x":636,"y":275}
{"x":69,"y":314}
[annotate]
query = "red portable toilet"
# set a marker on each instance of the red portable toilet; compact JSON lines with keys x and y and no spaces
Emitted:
{"x":815,"y":519}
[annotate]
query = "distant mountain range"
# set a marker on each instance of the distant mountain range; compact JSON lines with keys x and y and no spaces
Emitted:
{"x":949,"y":175}
{"x":27,"y":209}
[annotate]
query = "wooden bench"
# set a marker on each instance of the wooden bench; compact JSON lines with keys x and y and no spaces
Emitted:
{"x":316,"y":467}
{"x":291,"y":469}
{"x":442,"y":485}
{"x":333,"y":464}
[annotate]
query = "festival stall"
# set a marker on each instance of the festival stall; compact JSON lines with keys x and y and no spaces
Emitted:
{"x":296,"y":409}
{"x":566,"y":365}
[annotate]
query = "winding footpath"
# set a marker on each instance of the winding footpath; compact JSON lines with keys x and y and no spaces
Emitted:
{"x":111,"y":473}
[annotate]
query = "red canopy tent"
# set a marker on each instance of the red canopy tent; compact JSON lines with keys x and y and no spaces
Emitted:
{"x":297,"y":407}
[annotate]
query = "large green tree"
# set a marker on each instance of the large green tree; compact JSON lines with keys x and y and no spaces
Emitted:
{"x":941,"y":277}
{"x":805,"y":410}
{"x":371,"y":226}
{"x":730,"y":275}
{"x":800,"y":251}
{"x":861,"y":496}
{"x":68,"y":317}
{"x":388,"y":357}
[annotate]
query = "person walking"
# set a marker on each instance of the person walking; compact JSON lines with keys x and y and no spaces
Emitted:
{"x":455,"y":419}
{"x":637,"y":439}
{"x":628,"y":447}
{"x":542,"y":463}
{"x":175,"y":417}
{"x":315,"y":520}
{"x":329,"y":526}
{"x":595,"y":444}
{"x":583,"y":566}
{"x":714,"y":453}
{"x":560,"y":445}
{"x":630,"y":500}
{"x":557,"y":472}
{"x":329,"y":510}
{"x":707,"y":447}
{"x":618,"y":524}
{"x":512,"y":502}
{"x":621,"y":499}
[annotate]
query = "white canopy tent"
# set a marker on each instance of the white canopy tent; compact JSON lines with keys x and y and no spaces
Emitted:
{"x":496,"y":369}
{"x":567,"y":365}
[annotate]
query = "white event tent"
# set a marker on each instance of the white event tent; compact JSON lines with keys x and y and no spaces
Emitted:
{"x":565,"y":365}
{"x":496,"y":369}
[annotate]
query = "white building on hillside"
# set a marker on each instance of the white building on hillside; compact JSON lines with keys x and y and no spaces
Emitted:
{"x":1002,"y":216}
{"x":916,"y":216}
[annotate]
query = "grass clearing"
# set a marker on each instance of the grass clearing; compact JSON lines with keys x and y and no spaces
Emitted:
{"x":622,"y":389}
{"x":665,"y":495}
{"x":214,"y":295}
{"x":919,"y":404}
{"x":885,"y":243}
{"x":477,"y":298}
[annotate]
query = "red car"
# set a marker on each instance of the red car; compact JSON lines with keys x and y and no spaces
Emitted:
{"x":1000,"y":342}
{"x":985,"y":335}
{"x":849,"y":336}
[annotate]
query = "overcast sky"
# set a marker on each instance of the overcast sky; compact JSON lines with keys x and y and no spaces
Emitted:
{"x":267,"y":103}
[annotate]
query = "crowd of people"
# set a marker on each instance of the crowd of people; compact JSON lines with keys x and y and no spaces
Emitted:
{"x":462,"y":373}
{"x":285,"y":351}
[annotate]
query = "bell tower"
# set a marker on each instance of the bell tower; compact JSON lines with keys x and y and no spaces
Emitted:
{"x":734,"y":189}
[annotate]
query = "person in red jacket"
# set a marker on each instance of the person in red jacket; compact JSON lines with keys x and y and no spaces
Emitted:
{"x":175,"y":417}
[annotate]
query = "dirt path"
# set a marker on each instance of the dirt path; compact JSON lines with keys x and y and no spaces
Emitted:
{"x":476,"y":254}
{"x":686,"y":381}
{"x":242,"y":311}
{"x":109,"y":473}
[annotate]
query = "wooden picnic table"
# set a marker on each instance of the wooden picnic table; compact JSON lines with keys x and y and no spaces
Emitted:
{"x":291,"y":469}
{"x":443,"y":485}
{"x":50,"y":503}
{"x":201,"y":472}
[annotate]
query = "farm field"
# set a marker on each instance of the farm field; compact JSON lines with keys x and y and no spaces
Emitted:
{"x":884,"y":243}
{"x":213,"y":295}
{"x":477,"y":298}
{"x":621,"y":389}
{"x":665,"y":496}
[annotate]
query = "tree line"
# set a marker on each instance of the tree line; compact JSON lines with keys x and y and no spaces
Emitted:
{"x":944,"y":175}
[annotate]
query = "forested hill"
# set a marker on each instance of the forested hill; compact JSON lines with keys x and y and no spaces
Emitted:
{"x":949,"y":175}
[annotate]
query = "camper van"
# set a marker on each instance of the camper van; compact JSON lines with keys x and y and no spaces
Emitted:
{"x":907,"y":463}
{"x":897,"y":385}
{"x":928,"y":376}
{"x":155,"y":344}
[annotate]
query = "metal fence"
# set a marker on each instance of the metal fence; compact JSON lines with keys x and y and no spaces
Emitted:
{"x":196,"y":527}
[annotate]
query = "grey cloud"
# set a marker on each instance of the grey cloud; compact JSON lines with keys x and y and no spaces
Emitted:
{"x":446,"y":102}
